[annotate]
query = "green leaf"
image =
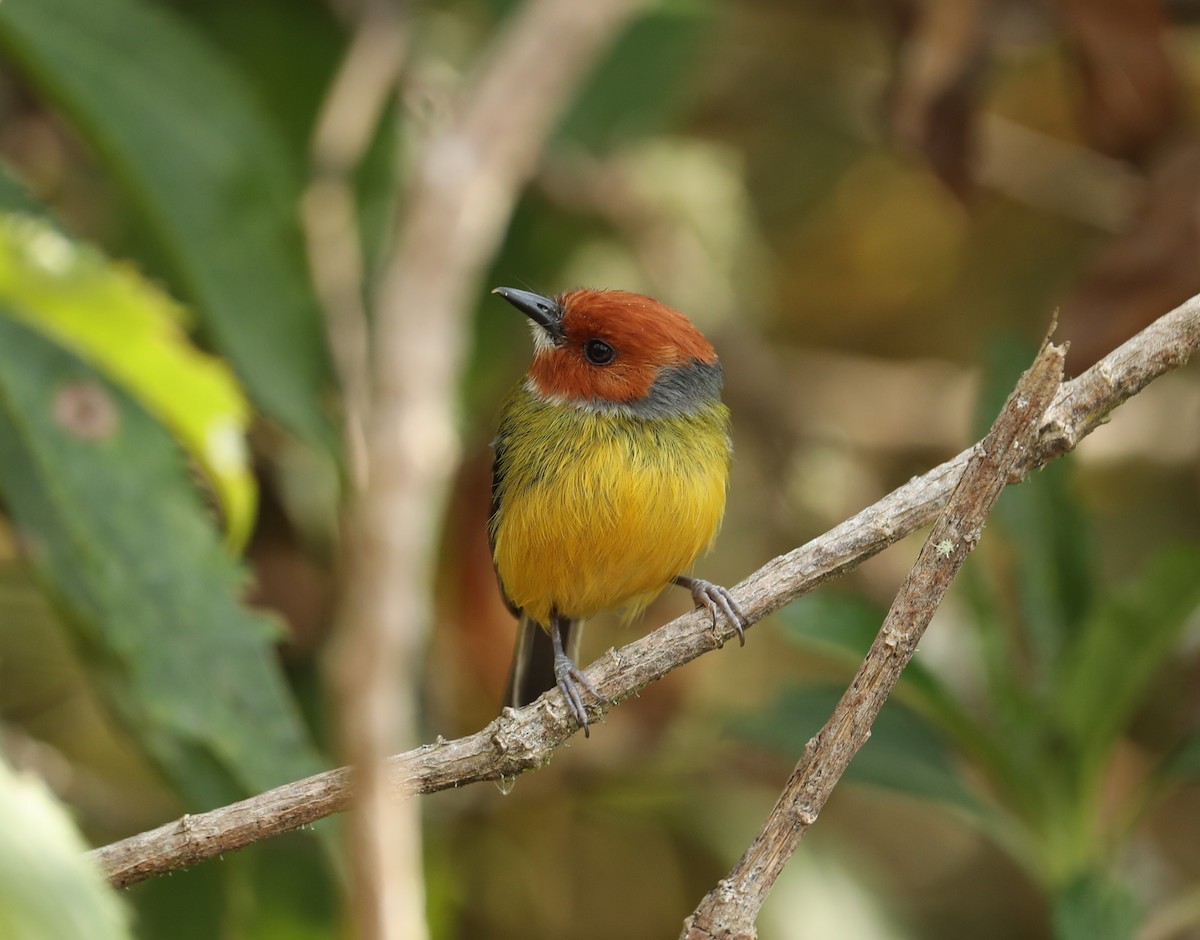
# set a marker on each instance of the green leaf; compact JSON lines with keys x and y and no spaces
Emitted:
{"x":1184,"y":761}
{"x":15,"y":196}
{"x":906,"y":753}
{"x":203,"y":162}
{"x":845,"y":625}
{"x":192,"y":904}
{"x":1045,"y":535}
{"x":134,"y":334}
{"x":1123,"y":645}
{"x":1095,"y":907}
{"x":1049,"y":542}
{"x":278,"y":889}
{"x":48,"y":888}
{"x":286,"y":891}
{"x":100,"y":496}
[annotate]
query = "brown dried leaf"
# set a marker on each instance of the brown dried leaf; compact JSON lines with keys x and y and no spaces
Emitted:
{"x":1153,"y":266}
{"x":941,"y":56}
{"x":1131,"y":94}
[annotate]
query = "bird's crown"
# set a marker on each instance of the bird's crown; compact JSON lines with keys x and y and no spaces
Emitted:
{"x":607,"y":345}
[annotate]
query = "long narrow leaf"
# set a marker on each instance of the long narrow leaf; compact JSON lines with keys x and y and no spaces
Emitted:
{"x":905,"y":754}
{"x":845,"y":626}
{"x":1045,"y":533}
{"x":1122,"y":646}
{"x":1095,"y":907}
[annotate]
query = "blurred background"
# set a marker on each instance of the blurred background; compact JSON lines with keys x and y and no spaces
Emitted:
{"x":871,"y":208}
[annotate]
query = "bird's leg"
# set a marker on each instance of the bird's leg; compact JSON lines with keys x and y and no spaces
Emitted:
{"x":569,"y":676}
{"x":715,"y":598}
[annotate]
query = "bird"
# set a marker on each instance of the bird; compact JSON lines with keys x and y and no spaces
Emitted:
{"x":611,"y":468}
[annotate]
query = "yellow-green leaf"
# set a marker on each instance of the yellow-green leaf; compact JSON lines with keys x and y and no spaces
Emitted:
{"x":110,"y":316}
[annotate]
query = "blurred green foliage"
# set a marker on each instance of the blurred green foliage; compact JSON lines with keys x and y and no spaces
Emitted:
{"x":176,"y":124}
{"x":1038,"y":773}
{"x":97,"y":489}
{"x":47,"y":888}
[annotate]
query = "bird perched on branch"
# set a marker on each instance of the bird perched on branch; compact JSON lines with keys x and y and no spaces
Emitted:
{"x":611,"y":466}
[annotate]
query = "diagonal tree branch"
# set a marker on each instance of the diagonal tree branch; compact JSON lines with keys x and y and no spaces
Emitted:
{"x":518,"y":741}
{"x":729,"y":911}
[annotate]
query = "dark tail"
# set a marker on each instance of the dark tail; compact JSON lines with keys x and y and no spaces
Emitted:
{"x":532,"y":671}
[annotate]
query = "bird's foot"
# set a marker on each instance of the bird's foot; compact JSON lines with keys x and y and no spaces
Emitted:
{"x":716,"y":599}
{"x":571,"y":681}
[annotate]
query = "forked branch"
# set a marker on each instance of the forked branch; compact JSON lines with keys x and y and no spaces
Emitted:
{"x":518,"y":741}
{"x":730,"y":910}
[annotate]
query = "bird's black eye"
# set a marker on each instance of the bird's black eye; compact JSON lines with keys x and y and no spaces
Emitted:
{"x":598,"y":352}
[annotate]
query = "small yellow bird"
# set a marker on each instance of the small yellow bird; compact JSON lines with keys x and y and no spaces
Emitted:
{"x":611,"y":467}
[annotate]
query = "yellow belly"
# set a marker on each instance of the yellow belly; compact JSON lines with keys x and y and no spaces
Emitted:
{"x":610,"y":515}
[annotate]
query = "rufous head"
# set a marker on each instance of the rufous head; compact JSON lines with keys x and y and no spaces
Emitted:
{"x":610,"y":346}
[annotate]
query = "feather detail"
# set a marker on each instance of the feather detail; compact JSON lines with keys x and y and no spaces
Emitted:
{"x":595,"y":510}
{"x":648,"y":337}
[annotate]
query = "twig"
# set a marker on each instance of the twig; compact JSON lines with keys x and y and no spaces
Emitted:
{"x":518,"y":741}
{"x":729,"y":911}
{"x":349,"y":116}
{"x":384,"y":844}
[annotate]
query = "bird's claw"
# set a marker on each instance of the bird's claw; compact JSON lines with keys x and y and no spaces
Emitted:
{"x":570,"y":678}
{"x":716,"y":599}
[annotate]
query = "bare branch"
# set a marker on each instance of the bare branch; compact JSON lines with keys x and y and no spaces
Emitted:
{"x":518,"y":741}
{"x":729,"y":911}
{"x":348,"y":118}
{"x":375,"y":696}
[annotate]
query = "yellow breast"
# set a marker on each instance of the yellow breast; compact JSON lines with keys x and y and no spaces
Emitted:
{"x":598,"y":511}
